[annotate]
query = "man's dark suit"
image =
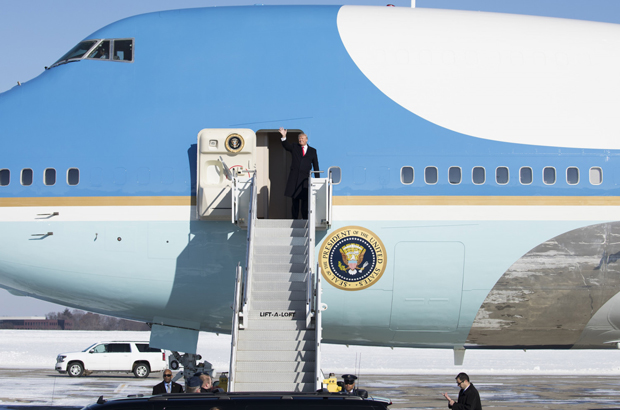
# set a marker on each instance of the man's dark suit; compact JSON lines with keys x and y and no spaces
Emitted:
{"x":161,"y":388}
{"x":297,"y":183}
{"x":469,"y":399}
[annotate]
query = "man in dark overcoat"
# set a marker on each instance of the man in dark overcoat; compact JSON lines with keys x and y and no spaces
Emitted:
{"x":304,"y":158}
{"x":167,"y":386}
{"x":469,"y":398}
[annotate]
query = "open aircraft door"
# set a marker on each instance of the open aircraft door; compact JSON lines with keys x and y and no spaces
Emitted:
{"x":226,"y":159}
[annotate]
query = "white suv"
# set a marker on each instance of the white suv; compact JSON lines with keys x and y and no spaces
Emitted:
{"x":136,"y":357}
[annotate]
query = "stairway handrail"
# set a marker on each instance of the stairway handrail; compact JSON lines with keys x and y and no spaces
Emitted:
{"x":250,"y":247}
{"x":313,"y":302}
{"x":242,"y":286}
{"x":318,"y":324}
{"x":235,"y":326}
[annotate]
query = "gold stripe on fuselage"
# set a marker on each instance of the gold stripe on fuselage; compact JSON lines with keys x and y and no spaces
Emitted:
{"x":338,"y":201}
{"x":101,"y":201}
{"x":478,"y":200}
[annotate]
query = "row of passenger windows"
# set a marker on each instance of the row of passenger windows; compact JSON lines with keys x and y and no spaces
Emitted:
{"x":407,"y":176}
{"x":502,"y":175}
{"x":49,"y":176}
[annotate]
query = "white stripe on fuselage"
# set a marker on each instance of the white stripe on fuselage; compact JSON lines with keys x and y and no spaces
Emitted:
{"x":502,"y":77}
{"x":340,"y":213}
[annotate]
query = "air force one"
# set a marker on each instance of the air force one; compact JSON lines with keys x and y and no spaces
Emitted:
{"x":468,"y":196}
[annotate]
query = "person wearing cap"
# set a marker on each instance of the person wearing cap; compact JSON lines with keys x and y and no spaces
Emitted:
{"x":349,"y":384}
{"x":193,"y":385}
{"x":469,"y":398}
{"x":167,"y":386}
{"x":349,"y":387}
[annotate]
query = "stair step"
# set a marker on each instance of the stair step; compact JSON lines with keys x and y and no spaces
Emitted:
{"x":261,"y":323}
{"x":282,"y":277}
{"x":265,"y":377}
{"x":252,"y":345}
{"x":261,"y":320}
{"x":283,"y":241}
{"x":292,"y":387}
{"x":277,"y":305}
{"x":284,"y":258}
{"x":279,"y":267}
{"x":276,"y":335}
{"x":276,"y":356}
{"x":281,"y":296}
{"x":280,"y":250}
{"x":282,"y":223}
{"x":265,"y":233}
{"x":274,"y":367}
{"x":277,"y":286}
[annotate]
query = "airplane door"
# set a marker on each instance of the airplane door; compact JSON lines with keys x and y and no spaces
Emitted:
{"x":428,"y":283}
{"x":234,"y":148}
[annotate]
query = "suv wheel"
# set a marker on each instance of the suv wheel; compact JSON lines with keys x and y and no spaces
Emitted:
{"x":75,"y":369}
{"x":141,"y":370}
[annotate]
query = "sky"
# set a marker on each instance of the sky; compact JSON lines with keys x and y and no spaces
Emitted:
{"x":35,"y":33}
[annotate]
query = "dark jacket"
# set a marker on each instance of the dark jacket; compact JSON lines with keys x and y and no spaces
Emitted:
{"x":297,"y":183}
{"x":468,"y":400}
{"x":161,"y":388}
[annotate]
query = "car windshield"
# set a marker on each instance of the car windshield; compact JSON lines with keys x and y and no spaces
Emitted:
{"x":89,"y":347}
{"x":76,"y":52}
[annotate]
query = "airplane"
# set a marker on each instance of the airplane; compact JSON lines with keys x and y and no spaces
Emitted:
{"x":475,"y":153}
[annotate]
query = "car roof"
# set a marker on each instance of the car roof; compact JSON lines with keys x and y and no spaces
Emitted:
{"x":181,"y":399}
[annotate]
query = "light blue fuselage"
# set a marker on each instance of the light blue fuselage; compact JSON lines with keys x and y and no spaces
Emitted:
{"x":130,"y":129}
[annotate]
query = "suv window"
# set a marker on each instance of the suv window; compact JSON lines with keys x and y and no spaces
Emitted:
{"x":119,"y":348}
{"x":143,"y":347}
{"x":100,"y":349}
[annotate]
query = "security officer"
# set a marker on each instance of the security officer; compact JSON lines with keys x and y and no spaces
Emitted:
{"x":349,"y":387}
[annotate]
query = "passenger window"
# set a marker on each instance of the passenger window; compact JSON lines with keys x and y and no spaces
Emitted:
{"x":144,"y":348}
{"x":5,"y":177}
{"x":572,"y":175}
{"x":102,"y":51}
{"x":49,"y":176}
{"x":26,"y":177}
{"x":478,"y":175}
{"x":596,"y":176}
{"x":123,"y":50}
{"x":406,"y":175}
{"x":335,"y":174}
{"x":549,"y":175}
{"x":430,"y":175}
{"x":119,"y":348}
{"x":73,"y":176}
{"x":100,"y":349}
{"x":526,"y":175}
{"x":454,"y":175}
{"x":502,"y":176}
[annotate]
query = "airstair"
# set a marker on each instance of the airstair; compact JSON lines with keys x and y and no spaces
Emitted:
{"x":276,"y":333}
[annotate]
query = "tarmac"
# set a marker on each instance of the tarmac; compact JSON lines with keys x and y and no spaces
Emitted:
{"x":42,"y":389}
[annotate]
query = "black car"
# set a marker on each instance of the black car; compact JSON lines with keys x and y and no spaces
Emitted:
{"x":243,"y":401}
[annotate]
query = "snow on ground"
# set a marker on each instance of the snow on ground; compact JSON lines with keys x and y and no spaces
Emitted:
{"x":37,"y":349}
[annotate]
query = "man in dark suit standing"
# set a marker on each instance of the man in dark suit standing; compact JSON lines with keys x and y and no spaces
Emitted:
{"x":469,"y":398}
{"x":167,"y":386}
{"x":304,"y":158}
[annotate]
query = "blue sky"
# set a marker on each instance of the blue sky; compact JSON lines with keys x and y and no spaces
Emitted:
{"x":35,"y":33}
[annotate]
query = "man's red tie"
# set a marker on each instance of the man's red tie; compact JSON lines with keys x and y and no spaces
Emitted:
{"x":304,"y":151}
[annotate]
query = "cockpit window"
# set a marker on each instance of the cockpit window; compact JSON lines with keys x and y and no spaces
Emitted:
{"x":123,"y":50}
{"x":120,"y":50}
{"x":102,"y":51}
{"x":76,"y":52}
